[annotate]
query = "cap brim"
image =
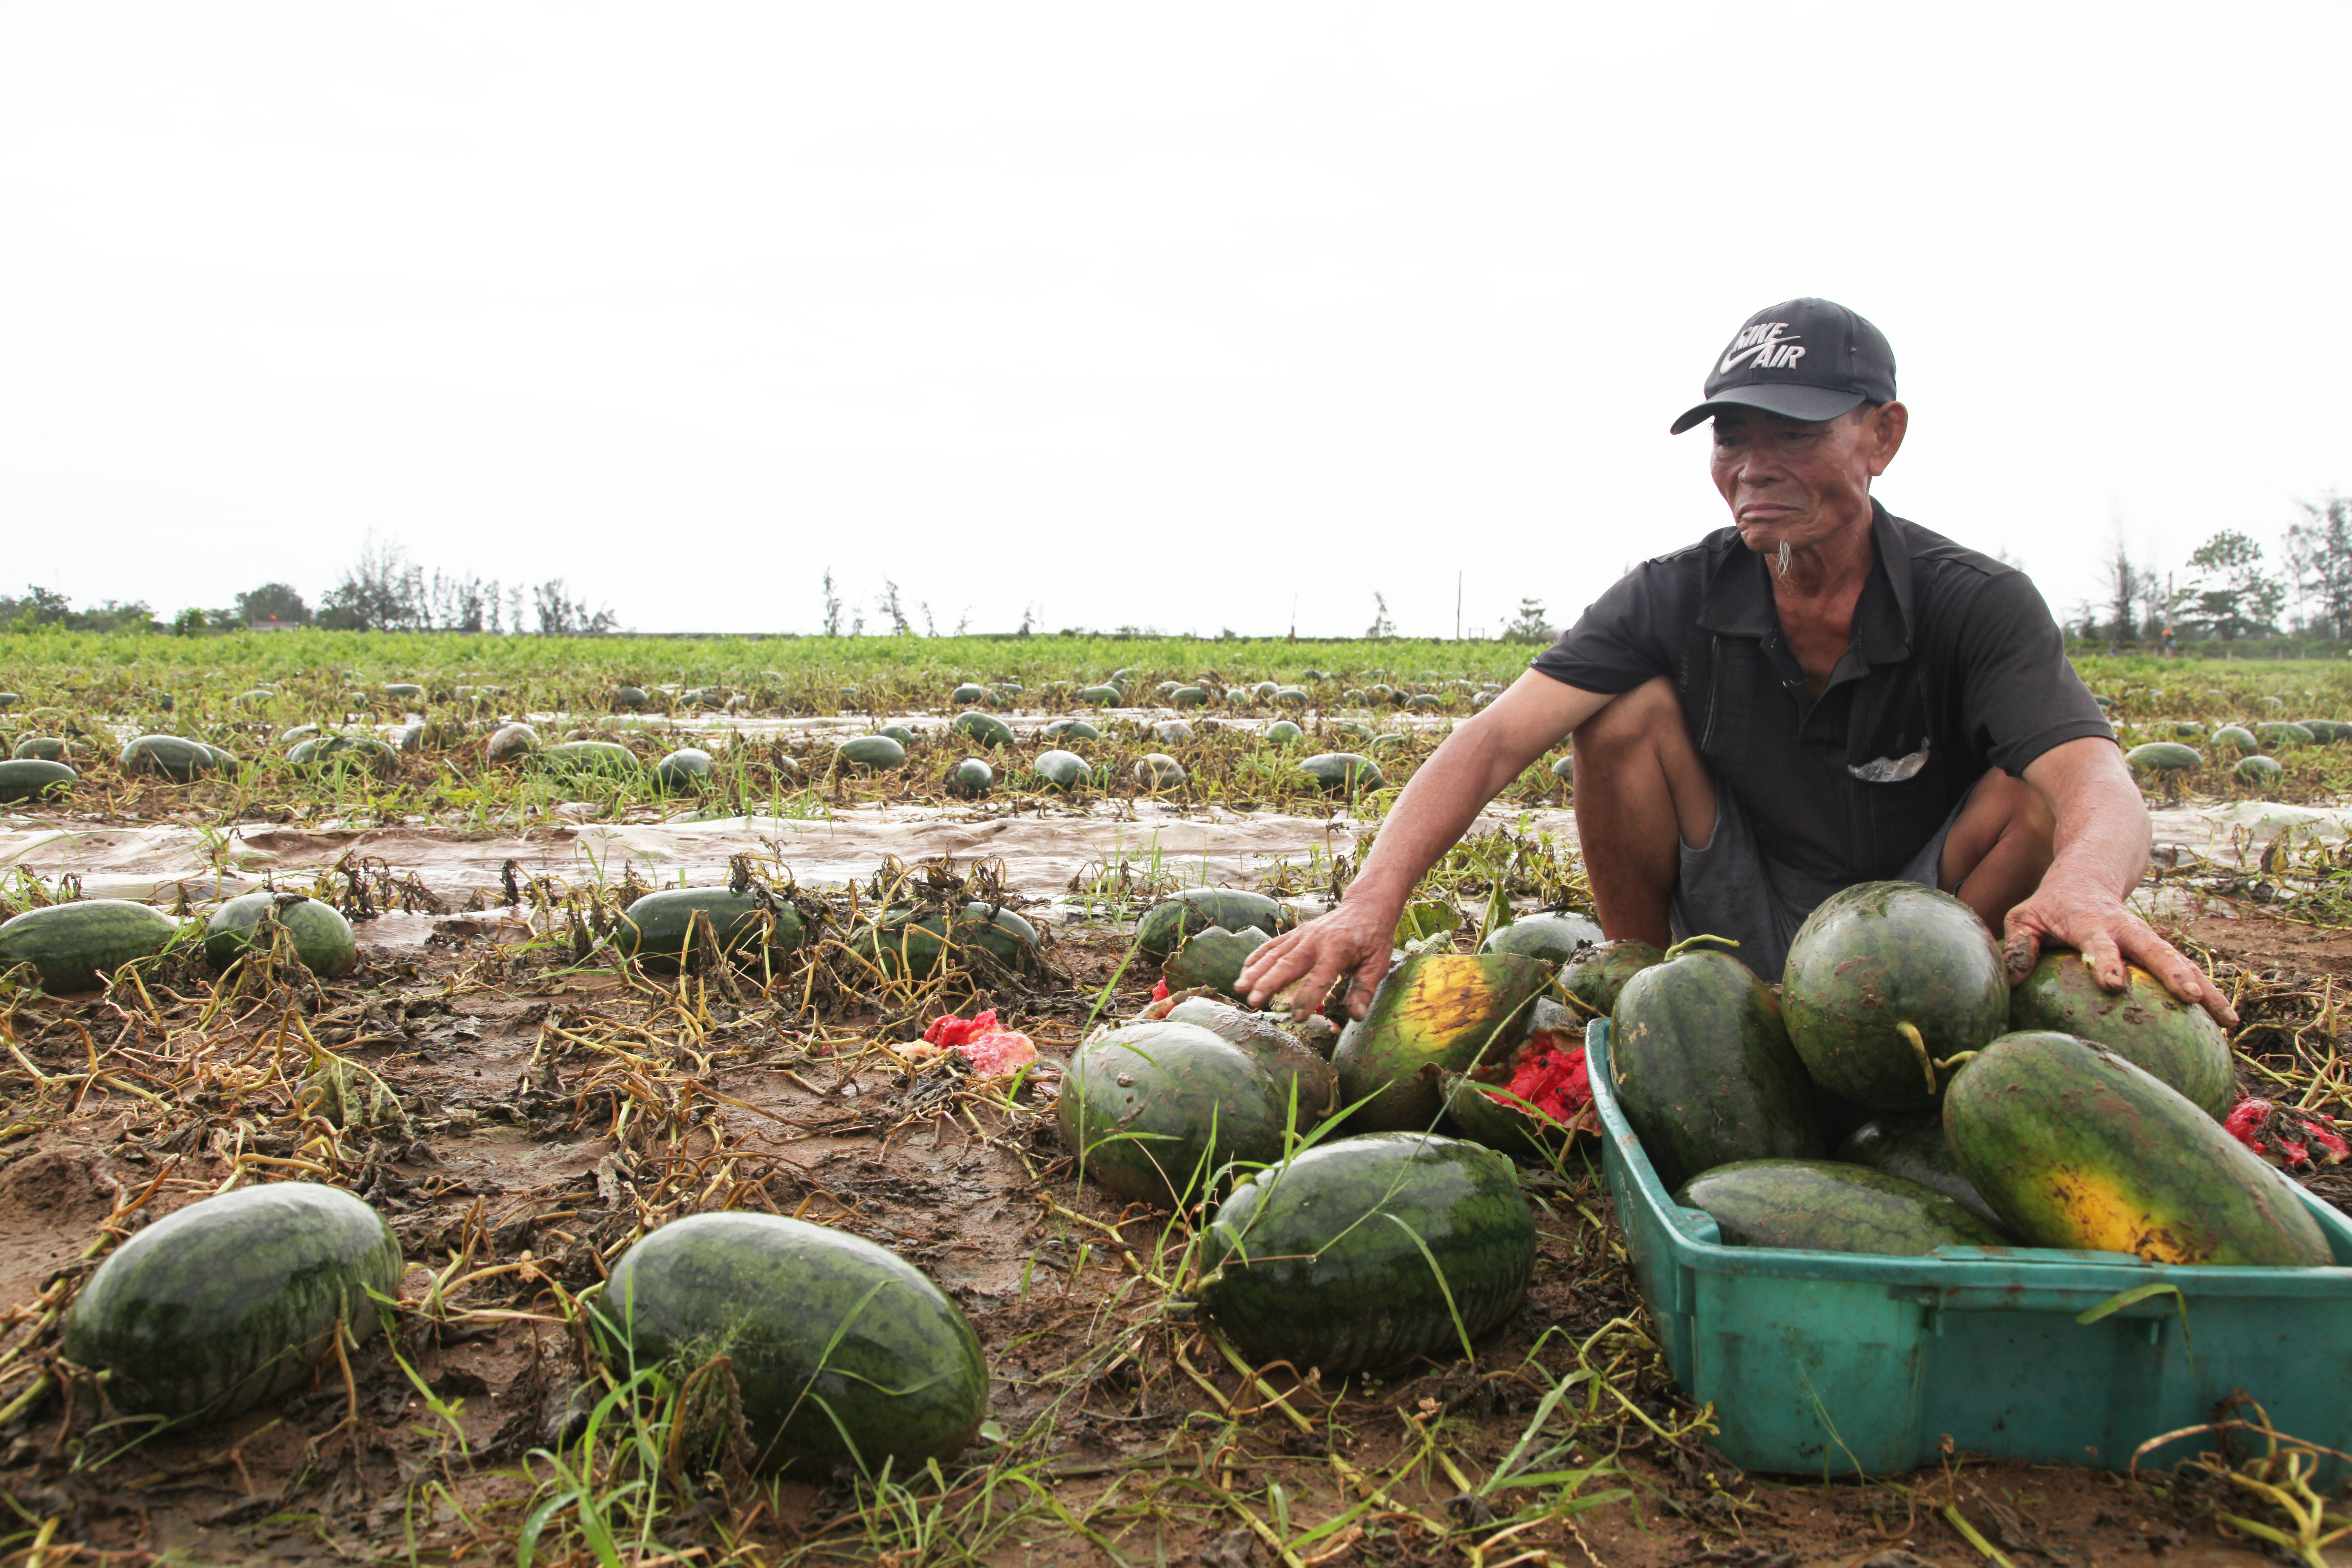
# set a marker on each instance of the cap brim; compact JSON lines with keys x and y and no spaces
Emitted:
{"x":1810,"y":404}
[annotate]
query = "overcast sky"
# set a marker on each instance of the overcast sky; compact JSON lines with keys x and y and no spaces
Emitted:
{"x":1169,"y":316}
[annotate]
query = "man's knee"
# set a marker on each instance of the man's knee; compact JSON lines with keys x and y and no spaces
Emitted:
{"x":2004,"y":815}
{"x":1642,"y":716}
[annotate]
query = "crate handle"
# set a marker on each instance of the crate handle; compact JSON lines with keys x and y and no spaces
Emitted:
{"x":2132,"y":1297}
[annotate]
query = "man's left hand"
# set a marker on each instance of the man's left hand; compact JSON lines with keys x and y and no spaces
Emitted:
{"x":2076,"y":911}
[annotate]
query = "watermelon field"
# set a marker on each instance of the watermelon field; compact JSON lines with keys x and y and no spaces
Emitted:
{"x":604,"y":979}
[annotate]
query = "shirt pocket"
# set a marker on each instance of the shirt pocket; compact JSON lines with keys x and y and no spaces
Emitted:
{"x":1899,"y":784}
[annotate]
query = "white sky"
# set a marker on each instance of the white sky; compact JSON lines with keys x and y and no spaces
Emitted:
{"x":1172,"y":316}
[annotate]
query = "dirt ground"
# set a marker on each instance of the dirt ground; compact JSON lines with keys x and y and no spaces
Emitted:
{"x":546,"y":1114}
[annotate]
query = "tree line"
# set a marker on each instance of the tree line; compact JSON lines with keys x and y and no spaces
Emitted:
{"x":383,"y":591}
{"x":2231,"y":590}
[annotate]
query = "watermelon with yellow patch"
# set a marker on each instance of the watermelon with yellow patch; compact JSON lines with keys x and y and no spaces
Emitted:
{"x":1435,"y":1013}
{"x":2075,"y":1147}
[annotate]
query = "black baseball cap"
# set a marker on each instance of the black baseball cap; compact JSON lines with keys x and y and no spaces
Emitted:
{"x":1802,"y":359}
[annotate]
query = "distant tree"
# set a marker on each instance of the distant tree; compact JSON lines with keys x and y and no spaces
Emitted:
{"x":2124,"y":584}
{"x":39,"y":607}
{"x":2232,"y":597}
{"x":192,"y":622}
{"x":462,"y":604}
{"x":379,"y":591}
{"x":893,"y":611}
{"x":931,"y":627}
{"x":561,"y":615}
{"x":1382,"y":625}
{"x":2319,"y":558}
{"x":1529,"y":625}
{"x":272,"y":602}
{"x":832,"y":606}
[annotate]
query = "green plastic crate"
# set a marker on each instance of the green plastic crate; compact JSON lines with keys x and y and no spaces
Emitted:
{"x":1837,"y":1363}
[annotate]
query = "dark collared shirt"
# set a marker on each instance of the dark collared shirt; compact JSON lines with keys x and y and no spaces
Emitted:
{"x":1954,"y":666}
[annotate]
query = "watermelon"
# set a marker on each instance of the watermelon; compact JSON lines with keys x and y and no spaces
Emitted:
{"x":654,"y":931}
{"x":1824,"y":1207}
{"x":1297,"y":1070}
{"x":2075,"y":1147}
{"x":1703,"y":1067}
{"x":44,"y":749}
{"x":2143,"y":1023}
{"x":967,"y":694}
{"x":1061,"y":770}
{"x":1366,"y":1253}
{"x":406,"y":738}
{"x":1187,"y":696}
{"x":1197,"y":909}
{"x":608,"y":759}
{"x":2164,"y":756}
{"x":75,"y":946}
{"x":31,"y":778}
{"x":1158,"y":1112}
{"x":1172,"y":732}
{"x":1156,"y":771}
{"x":9,"y":698}
{"x":842,"y":1351}
{"x":899,"y":732}
{"x":687,"y":768}
{"x":404,"y":691}
{"x":1884,"y":979}
{"x":905,"y":944}
{"x":1553,"y":938}
{"x":985,"y":729}
{"x":1596,"y":978}
{"x":1212,"y":958}
{"x":1070,"y":729}
{"x":629,"y":698}
{"x":2256,"y":770}
{"x":2327,"y":732}
{"x":321,"y":937}
{"x":1564,"y":768}
{"x":1435,"y":1012}
{"x":1103,"y":696}
{"x":2188,"y":729}
{"x":232,"y":1301}
{"x":2284,"y":732}
{"x":347,"y":753}
{"x":1283,"y":733}
{"x":969,"y":777}
{"x":1289,"y":696}
{"x":170,"y":757}
{"x":1913,"y":1146}
{"x":509,"y":741}
{"x":1516,"y":1126}
{"x":1341,"y":772}
{"x":872,"y":752}
{"x":2237,"y":738}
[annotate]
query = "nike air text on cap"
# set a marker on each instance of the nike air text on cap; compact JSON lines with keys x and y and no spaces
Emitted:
{"x":1804,"y":358}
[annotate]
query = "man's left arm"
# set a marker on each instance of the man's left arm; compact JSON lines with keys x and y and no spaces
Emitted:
{"x":2101,"y":843}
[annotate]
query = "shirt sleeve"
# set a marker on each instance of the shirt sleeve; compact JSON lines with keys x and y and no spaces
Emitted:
{"x":2020,"y":695}
{"x":1623,"y":637}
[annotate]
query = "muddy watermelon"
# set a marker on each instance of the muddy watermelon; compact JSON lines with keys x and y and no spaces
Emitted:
{"x":1156,"y":771}
{"x":1825,"y":1206}
{"x":1913,"y":1146}
{"x":911,"y":945}
{"x":233,"y":1299}
{"x":1554,"y":938}
{"x":170,"y":757}
{"x":1169,"y":921}
{"x":1436,"y":1012}
{"x":1300,"y":1075}
{"x":1365,"y":1253}
{"x":1212,"y":958}
{"x":1158,"y":1112}
{"x":1703,"y":1070}
{"x":36,"y":778}
{"x":1597,"y":977}
{"x":321,"y":937}
{"x":657,"y":930}
{"x":2142,"y":1024}
{"x":842,"y":1351}
{"x":74,"y":946}
{"x":1061,"y":770}
{"x":508,"y":742}
{"x":1884,"y":981}
{"x":2075,"y":1147}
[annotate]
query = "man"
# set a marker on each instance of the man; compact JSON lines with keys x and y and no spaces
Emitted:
{"x":1818,"y":695}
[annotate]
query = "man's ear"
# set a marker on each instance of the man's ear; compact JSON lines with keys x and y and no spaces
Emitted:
{"x":1886,"y":425}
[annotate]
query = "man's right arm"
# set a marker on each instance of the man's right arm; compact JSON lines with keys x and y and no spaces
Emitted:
{"x":1482,"y":756}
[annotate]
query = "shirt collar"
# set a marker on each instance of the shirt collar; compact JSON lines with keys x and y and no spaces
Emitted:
{"x":1738,"y":600}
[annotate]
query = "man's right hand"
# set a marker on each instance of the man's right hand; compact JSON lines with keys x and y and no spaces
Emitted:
{"x":1358,"y":937}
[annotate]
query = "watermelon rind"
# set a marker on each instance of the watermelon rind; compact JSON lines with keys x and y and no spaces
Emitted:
{"x":1824,"y":1207}
{"x":1301,"y":1075}
{"x":2075,"y":1147}
{"x":2143,"y":1023}
{"x":1435,"y":1012}
{"x":321,"y":936}
{"x":1876,"y":961}
{"x":74,"y":946}
{"x":1365,"y":1253}
{"x":1159,"y":1112}
{"x":842,"y":1351}
{"x":657,"y":931}
{"x":1168,"y":922}
{"x":36,"y":778}
{"x":1703,"y":1070}
{"x":232,"y":1301}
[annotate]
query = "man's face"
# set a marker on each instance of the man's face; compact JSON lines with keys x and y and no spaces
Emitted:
{"x":1788,"y":480}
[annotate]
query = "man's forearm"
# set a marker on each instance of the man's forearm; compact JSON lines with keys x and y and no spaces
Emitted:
{"x":2102,"y":829}
{"x":1435,"y":809}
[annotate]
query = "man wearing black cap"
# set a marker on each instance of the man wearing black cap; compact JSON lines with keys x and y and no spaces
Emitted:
{"x":1818,"y":695}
